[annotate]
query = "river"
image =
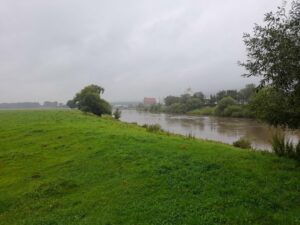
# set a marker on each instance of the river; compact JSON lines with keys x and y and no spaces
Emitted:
{"x":226,"y":130}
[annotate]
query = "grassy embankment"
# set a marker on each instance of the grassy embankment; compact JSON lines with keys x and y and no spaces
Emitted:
{"x":63,"y":167}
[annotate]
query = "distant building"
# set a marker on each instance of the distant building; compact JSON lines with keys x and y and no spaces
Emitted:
{"x":189,"y":91}
{"x":149,"y":101}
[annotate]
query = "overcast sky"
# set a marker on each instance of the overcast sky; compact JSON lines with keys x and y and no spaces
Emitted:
{"x":50,"y":49}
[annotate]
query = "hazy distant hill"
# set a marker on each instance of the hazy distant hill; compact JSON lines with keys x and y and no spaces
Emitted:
{"x":30,"y":105}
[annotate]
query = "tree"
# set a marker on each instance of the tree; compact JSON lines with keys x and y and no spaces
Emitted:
{"x":88,"y":100}
{"x":223,"y":104}
{"x":176,"y":108}
{"x":273,"y":53}
{"x":269,"y":105}
{"x":199,"y":95}
{"x":193,"y":103}
{"x":212,"y":100}
{"x":227,"y":93}
{"x":220,"y":95}
{"x":117,"y":113}
{"x":71,"y":104}
{"x":184,"y":98}
{"x":245,"y":93}
{"x":169,"y":100}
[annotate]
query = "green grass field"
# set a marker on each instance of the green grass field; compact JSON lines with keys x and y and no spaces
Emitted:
{"x":64,"y":167}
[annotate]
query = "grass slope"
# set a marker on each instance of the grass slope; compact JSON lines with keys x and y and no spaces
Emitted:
{"x":63,"y":167}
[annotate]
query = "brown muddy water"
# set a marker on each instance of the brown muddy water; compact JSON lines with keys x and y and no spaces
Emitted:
{"x":226,"y":130}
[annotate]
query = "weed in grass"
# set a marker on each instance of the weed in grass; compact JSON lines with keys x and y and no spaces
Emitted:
{"x":153,"y":128}
{"x":47,"y":190}
{"x":298,"y":151}
{"x":285,"y":147}
{"x":278,"y":143}
{"x":190,"y":136}
{"x":242,"y":143}
{"x":35,"y":176}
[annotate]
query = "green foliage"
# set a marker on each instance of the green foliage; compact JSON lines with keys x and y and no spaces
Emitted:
{"x":169,"y":100}
{"x":63,"y":167}
{"x":190,"y":136}
{"x":242,"y":143}
{"x":199,"y":95}
{"x":196,"y":104}
{"x":231,"y":110}
{"x":270,"y":105}
{"x":241,"y":111}
{"x":205,"y":111}
{"x":223,"y":104}
{"x":184,"y":103}
{"x":176,"y":108}
{"x":273,"y":54}
{"x":153,"y":128}
{"x":156,"y":108}
{"x":71,"y":104}
{"x":88,"y":100}
{"x":234,"y":94}
{"x":284,"y":147}
{"x":246,"y":93}
{"x":278,"y":143}
{"x":117,"y":113}
{"x":297,"y":151}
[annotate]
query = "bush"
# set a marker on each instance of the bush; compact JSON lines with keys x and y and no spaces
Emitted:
{"x":155,"y":108}
{"x":284,"y":147}
{"x":298,"y":151}
{"x":205,"y":111}
{"x":278,"y":143}
{"x":223,"y":104}
{"x":117,"y":114}
{"x":234,"y":111}
{"x":153,"y":128}
{"x":145,"y":125}
{"x":190,"y":136}
{"x":242,"y":143}
{"x":176,"y":108}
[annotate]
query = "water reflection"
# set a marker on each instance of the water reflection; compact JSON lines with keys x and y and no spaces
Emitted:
{"x":226,"y":130}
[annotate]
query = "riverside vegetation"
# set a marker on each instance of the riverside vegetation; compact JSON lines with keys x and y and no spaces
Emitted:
{"x":67,"y":167}
{"x":228,"y":103}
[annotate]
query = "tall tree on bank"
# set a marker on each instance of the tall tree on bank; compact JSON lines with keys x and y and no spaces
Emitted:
{"x":273,"y":53}
{"x":89,"y":100}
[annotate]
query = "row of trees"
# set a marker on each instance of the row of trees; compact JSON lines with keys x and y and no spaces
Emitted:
{"x":242,"y":96}
{"x":213,"y":105}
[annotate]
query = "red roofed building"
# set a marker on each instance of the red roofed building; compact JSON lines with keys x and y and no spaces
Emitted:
{"x":149,"y":101}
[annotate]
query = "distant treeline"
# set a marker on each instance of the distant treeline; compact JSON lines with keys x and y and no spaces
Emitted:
{"x":25,"y":105}
{"x":231,"y":103}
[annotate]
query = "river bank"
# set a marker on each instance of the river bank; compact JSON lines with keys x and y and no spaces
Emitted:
{"x":221,"y":129}
{"x":64,"y":167}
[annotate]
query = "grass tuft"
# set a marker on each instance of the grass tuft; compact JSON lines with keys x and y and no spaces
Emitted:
{"x":242,"y":143}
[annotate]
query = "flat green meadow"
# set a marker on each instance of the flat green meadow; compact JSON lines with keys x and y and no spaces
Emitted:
{"x":65,"y":167}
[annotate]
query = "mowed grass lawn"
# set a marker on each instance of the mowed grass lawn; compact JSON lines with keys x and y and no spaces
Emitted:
{"x":64,"y":167}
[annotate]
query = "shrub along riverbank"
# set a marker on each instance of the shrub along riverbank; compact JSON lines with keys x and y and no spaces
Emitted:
{"x":64,"y":167}
{"x":227,"y":103}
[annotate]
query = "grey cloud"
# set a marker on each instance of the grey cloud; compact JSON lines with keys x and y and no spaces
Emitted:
{"x":51,"y":49}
